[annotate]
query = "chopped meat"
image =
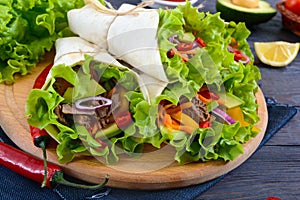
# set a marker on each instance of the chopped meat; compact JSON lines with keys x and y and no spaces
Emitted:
{"x":92,"y":120}
{"x":70,"y":109}
{"x":60,"y":115}
{"x":61,"y":85}
{"x":198,"y":111}
{"x":89,"y":122}
{"x":103,"y":112}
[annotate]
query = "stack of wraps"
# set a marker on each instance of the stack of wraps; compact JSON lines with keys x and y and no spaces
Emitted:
{"x":135,"y":77}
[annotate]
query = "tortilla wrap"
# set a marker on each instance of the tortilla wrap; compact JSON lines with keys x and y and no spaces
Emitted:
{"x":130,"y":37}
{"x":90,"y":24}
{"x":71,"y":51}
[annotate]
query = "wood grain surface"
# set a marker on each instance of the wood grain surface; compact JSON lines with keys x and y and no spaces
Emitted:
{"x":154,"y":170}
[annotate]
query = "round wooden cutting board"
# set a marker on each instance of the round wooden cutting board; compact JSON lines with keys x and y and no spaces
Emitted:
{"x":155,"y":170}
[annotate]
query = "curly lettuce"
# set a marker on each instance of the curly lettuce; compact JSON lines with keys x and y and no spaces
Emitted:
{"x":214,"y":63}
{"x":29,"y":28}
{"x":217,"y":67}
{"x":75,"y":139}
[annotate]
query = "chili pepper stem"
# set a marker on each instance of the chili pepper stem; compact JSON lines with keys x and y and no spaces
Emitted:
{"x":59,"y":179}
{"x":43,"y":147}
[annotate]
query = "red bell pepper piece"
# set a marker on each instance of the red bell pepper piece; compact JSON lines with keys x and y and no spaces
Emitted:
{"x":205,"y":124}
{"x":200,"y":42}
{"x":238,"y":55}
{"x":209,"y":95}
{"x":123,"y":119}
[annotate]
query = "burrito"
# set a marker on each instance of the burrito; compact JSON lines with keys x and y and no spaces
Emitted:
{"x":128,"y":34}
{"x":72,"y":50}
{"x":88,"y":103}
{"x":94,"y":29}
{"x":201,"y":101}
{"x":209,"y":106}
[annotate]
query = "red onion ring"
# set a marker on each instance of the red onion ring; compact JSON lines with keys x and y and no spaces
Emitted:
{"x":223,"y":115}
{"x":79,"y":106}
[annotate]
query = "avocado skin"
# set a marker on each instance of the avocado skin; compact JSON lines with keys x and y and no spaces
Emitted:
{"x":250,"y":18}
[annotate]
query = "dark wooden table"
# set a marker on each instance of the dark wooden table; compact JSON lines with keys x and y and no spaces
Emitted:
{"x":275,"y":169}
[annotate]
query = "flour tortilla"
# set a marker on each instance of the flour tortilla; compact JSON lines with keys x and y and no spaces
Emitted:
{"x":90,"y":24}
{"x":130,"y":36}
{"x":72,"y":50}
{"x":133,"y":39}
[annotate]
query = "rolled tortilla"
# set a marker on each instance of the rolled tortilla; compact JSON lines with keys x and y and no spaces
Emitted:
{"x":153,"y":86}
{"x":129,"y":36}
{"x":72,"y":50}
{"x":90,"y":24}
{"x":133,"y":39}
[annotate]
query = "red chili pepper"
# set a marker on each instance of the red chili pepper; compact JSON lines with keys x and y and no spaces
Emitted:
{"x":185,"y":46}
{"x":200,"y":42}
{"x":40,"y":80}
{"x":33,"y":168}
{"x":123,"y":119}
{"x":205,"y":124}
{"x":41,"y":138}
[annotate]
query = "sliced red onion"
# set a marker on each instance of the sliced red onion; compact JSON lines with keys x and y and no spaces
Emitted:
{"x":79,"y":102}
{"x":174,"y":39}
{"x":223,"y":115}
{"x":195,"y":45}
{"x":230,"y":49}
{"x":247,"y":59}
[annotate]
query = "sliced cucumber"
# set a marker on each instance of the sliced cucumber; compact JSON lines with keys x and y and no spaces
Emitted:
{"x":230,"y":100}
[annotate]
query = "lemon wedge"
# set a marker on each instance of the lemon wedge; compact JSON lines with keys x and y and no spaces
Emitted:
{"x":277,"y":54}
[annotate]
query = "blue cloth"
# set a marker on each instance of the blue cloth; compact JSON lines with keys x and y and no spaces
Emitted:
{"x":14,"y":186}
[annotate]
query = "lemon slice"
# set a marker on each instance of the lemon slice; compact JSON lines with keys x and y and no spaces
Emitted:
{"x":277,"y":54}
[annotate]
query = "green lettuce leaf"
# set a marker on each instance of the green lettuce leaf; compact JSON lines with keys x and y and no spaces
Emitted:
{"x":28,"y":29}
{"x":75,"y":139}
{"x":213,"y":65}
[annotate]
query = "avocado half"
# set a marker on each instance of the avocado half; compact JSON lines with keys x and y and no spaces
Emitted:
{"x":251,"y":16}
